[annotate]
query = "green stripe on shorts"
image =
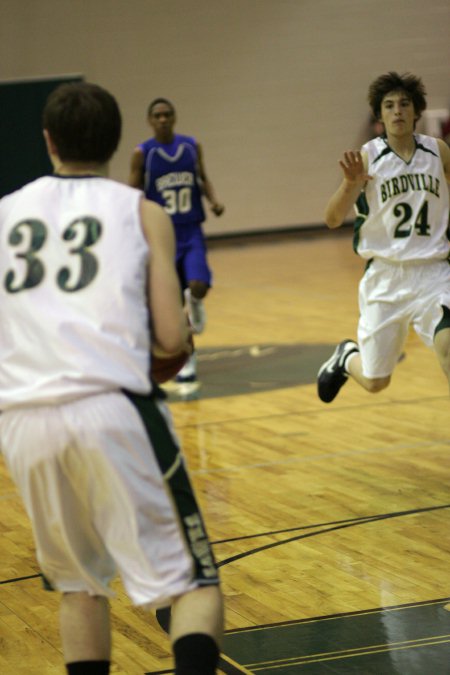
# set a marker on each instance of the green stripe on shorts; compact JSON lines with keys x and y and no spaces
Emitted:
{"x":177,"y":480}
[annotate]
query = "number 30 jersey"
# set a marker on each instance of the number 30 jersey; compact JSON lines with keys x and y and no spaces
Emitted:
{"x":403,"y":212}
{"x":171,"y":178}
{"x":73,"y":280}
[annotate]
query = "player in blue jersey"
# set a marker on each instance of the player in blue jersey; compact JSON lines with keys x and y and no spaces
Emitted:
{"x":170,"y":169}
{"x":399,"y":184}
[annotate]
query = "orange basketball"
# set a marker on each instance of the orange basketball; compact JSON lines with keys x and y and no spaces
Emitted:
{"x":165,"y":368}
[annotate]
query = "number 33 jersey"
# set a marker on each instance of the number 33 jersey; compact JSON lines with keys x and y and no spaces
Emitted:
{"x":171,"y":178}
{"x":73,"y":280}
{"x":403,"y":212}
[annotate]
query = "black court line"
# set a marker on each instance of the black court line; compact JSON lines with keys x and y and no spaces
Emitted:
{"x":227,"y":665}
{"x":372,"y":650}
{"x":163,"y":616}
{"x":12,"y":581}
{"x":340,"y":526}
{"x":356,"y":520}
{"x":338,"y":615}
{"x":335,"y":525}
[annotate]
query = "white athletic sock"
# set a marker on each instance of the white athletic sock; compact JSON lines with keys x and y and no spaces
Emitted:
{"x":347,"y":361}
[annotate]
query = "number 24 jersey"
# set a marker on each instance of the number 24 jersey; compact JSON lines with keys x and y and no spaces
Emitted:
{"x":403,"y":212}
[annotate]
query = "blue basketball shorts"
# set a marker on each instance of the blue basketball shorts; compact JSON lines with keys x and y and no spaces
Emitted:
{"x":191,"y":256}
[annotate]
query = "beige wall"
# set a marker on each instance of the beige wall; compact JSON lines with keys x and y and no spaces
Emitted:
{"x":274,"y":90}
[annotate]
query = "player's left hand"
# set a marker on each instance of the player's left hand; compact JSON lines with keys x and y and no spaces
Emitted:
{"x":217,"y":209}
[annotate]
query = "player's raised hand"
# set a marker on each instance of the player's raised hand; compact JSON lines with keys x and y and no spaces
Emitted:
{"x":353,"y":167}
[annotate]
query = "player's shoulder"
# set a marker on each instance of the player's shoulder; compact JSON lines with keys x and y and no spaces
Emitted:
{"x":119,"y":187}
{"x":424,"y":138}
{"x":374,"y":150}
{"x":34,"y":186}
{"x":375,"y":145}
{"x":147,"y":145}
{"x":444,"y":152}
{"x":427,"y":143}
{"x":183,"y":138}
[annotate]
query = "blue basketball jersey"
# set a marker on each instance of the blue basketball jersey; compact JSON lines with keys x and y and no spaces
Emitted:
{"x":171,"y":178}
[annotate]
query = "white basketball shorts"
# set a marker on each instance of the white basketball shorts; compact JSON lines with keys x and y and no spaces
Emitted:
{"x":393,"y":297}
{"x":106,"y":489}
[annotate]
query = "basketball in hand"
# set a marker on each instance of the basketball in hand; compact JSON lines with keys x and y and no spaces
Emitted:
{"x":164,"y":368}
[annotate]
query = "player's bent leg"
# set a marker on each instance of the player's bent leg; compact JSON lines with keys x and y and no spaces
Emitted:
{"x":198,"y":611}
{"x":373,"y":385}
{"x":196,"y":630}
{"x":85,"y":632}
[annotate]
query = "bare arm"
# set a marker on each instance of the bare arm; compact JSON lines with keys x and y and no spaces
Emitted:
{"x":169,"y":323}
{"x":208,"y":189}
{"x":136,"y":177}
{"x":445,"y":156}
{"x":354,"y":168}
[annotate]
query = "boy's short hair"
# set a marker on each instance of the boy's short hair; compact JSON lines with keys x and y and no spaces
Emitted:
{"x":84,"y":122}
{"x":159,"y":100}
{"x":410,"y":84}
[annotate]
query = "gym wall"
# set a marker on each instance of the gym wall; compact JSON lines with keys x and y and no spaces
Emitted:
{"x":275,"y":90}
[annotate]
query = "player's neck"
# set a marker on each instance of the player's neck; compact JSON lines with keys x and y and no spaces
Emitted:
{"x":80,"y":169}
{"x":165,"y":139}
{"x":404,"y":146}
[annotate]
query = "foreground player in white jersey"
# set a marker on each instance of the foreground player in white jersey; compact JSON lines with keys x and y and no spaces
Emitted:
{"x":399,"y":184}
{"x":86,"y":266}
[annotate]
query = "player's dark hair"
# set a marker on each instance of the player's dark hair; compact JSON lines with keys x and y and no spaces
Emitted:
{"x":83,"y":121}
{"x":411,"y":85}
{"x":159,"y":100}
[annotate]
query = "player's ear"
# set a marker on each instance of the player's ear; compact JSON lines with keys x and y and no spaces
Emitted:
{"x":51,"y":147}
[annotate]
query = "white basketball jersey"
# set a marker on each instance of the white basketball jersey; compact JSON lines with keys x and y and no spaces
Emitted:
{"x":403,"y":212}
{"x":73,"y":279}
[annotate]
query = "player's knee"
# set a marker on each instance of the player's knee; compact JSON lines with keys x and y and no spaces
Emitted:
{"x":198,"y":289}
{"x":377,"y":384}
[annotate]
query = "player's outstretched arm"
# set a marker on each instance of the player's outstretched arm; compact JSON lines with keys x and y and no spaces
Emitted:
{"x":208,"y":189}
{"x":170,"y":328}
{"x":354,"y":168}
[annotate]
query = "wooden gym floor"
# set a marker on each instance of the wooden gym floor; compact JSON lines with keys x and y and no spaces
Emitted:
{"x":330,"y":523}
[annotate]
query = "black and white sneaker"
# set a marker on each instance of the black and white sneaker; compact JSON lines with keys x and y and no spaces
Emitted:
{"x":188,"y":373}
{"x":332,"y":376}
{"x":186,"y":381}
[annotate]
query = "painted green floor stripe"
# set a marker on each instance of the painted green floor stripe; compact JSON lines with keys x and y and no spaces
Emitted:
{"x":412,"y":639}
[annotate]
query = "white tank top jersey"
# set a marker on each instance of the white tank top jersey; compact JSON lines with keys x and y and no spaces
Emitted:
{"x":73,"y":280}
{"x":403,"y":212}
